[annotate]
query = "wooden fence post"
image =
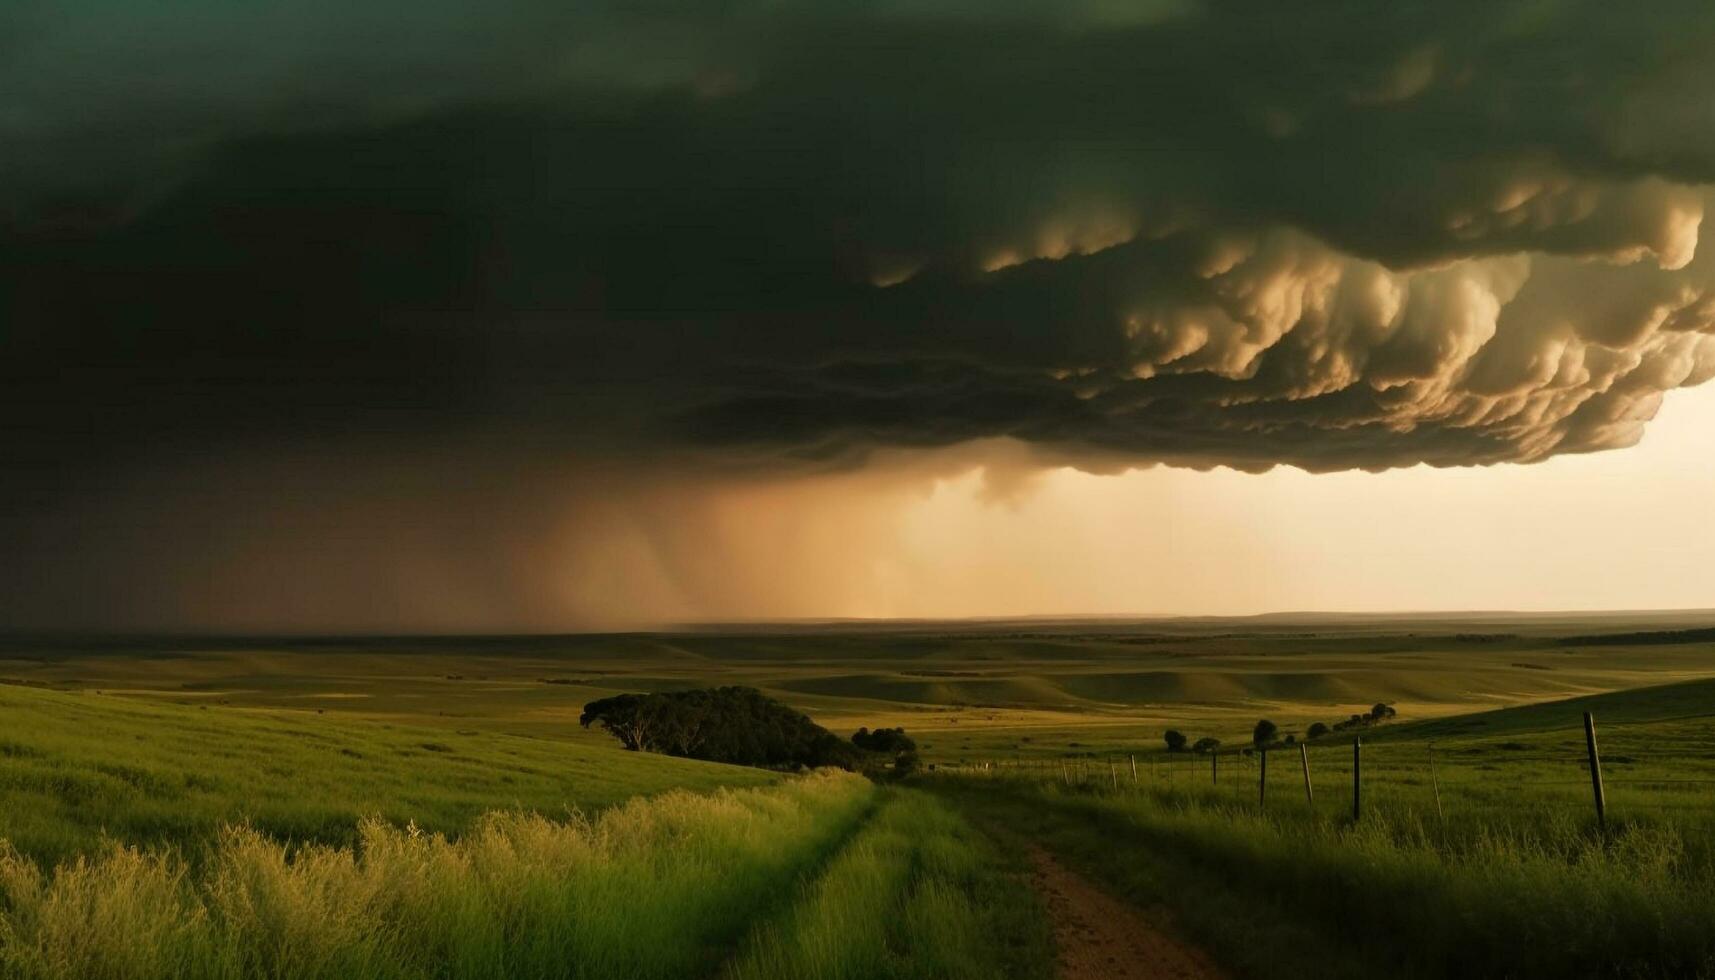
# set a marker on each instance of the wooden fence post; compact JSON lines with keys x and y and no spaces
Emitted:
{"x":1214,"y":769}
{"x":1357,"y":775}
{"x":1133,"y":770}
{"x":1304,"y":759}
{"x":1262,"y":780}
{"x":1595,"y":770}
{"x":1113,"y":774}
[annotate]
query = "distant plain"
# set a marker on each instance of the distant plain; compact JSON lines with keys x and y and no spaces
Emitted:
{"x":967,"y":690}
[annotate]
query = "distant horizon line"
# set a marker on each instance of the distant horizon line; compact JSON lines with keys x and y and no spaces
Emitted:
{"x":1295,"y":617}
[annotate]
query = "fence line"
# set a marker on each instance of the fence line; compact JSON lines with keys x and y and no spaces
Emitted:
{"x":1437,"y":768}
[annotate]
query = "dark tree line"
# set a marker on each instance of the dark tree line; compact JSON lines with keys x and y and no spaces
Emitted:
{"x":743,"y":726}
{"x":1267,"y":735}
{"x":1374,"y":716}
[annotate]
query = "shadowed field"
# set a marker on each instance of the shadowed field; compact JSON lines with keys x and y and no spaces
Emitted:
{"x":966,"y":690}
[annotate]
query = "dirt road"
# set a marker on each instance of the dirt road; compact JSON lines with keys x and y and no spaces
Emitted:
{"x":1101,"y":938}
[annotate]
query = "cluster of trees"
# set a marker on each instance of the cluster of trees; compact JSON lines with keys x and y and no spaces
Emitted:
{"x":1267,"y":734}
{"x":1178,"y":740}
{"x":884,"y":740}
{"x":738,"y":725}
{"x":1375,"y":716}
{"x":890,"y":744}
{"x":743,"y":726}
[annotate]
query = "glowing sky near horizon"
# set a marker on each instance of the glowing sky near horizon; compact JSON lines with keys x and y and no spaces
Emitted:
{"x":1630,"y":529}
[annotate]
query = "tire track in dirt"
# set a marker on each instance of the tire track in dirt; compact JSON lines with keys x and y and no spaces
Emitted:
{"x":721,"y":955}
{"x":1100,"y":937}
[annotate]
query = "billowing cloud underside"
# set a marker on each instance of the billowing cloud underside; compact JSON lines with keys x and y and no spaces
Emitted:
{"x":1330,"y":235}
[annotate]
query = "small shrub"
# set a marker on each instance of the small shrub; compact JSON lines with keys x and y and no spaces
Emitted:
{"x":1264,"y":733}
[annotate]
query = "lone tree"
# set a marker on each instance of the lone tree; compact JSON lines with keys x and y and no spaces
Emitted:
{"x":1316,"y":731}
{"x":1206,"y":745}
{"x":1175,"y":740}
{"x":1264,"y":733}
{"x":1382,"y":712}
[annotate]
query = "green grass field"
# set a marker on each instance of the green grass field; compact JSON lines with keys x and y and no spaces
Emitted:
{"x":822,"y":876}
{"x":430,"y":808}
{"x":75,"y":767}
{"x":1521,"y":765}
{"x":1491,"y":862}
{"x":654,"y":888}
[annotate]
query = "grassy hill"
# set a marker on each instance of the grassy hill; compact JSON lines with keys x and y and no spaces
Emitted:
{"x":296,"y":843}
{"x":1508,"y":767}
{"x":1476,"y":850}
{"x":1656,"y":704}
{"x":75,"y":766}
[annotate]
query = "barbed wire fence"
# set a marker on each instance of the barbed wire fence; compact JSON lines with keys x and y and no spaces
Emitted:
{"x":1459,"y":772}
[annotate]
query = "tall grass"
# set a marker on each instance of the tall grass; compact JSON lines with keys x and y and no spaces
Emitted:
{"x":661,"y":887}
{"x":1289,"y":893}
{"x":918,"y":894}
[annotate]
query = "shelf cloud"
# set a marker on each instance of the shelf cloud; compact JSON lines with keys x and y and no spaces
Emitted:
{"x":781,"y":239}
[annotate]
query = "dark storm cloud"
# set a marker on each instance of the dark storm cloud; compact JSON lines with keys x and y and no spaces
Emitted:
{"x":1331,"y":235}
